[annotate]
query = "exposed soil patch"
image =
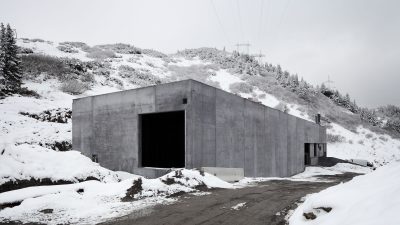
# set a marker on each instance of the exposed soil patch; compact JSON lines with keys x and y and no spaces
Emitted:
{"x":60,"y":115}
{"x":132,"y":191}
{"x":329,"y":161}
{"x":326,"y":209}
{"x":61,"y":146}
{"x":9,"y":205}
{"x":46,"y":211}
{"x":19,"y":223}
{"x":177,"y":194}
{"x":18,"y":184}
{"x":310,"y":216}
{"x":169,"y":181}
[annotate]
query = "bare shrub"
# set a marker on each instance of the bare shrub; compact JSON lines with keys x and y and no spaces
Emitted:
{"x":241,"y":87}
{"x":102,"y":72}
{"x":35,"y":64}
{"x":361,"y":142}
{"x":117,"y":81}
{"x":196,"y":72}
{"x":67,"y":49}
{"x":73,"y":87}
{"x":383,"y":138}
{"x":335,"y":138}
{"x":76,"y":44}
{"x":368,"y":136}
{"x":262,"y":96}
{"x":350,"y":141}
{"x":87,"y":78}
{"x":23,"y":50}
{"x":282,"y":107}
{"x":120,"y":48}
{"x":141,"y":77}
{"x":97,"y":53}
{"x":37,"y":40}
{"x":126,"y":71}
{"x":134,"y":58}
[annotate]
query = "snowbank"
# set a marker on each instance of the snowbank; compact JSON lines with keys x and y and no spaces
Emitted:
{"x":94,"y":201}
{"x":24,"y":162}
{"x":369,"y":199}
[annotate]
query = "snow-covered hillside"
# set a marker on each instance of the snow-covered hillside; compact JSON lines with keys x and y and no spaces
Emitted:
{"x":34,"y":130}
{"x":125,"y":70}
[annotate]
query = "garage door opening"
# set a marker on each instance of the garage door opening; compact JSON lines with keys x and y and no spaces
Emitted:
{"x":162,"y":139}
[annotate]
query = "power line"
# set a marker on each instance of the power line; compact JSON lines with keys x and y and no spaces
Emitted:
{"x":275,"y":35}
{"x":239,"y":19}
{"x":219,"y":21}
{"x":261,"y":20}
{"x":282,"y":17}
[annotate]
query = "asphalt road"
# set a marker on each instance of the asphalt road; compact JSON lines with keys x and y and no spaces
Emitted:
{"x":262,"y":203}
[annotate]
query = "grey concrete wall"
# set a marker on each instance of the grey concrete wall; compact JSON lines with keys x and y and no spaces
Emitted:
{"x":222,"y":130}
{"x":107,"y":125}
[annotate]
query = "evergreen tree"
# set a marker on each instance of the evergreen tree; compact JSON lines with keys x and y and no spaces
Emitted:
{"x":11,"y":69}
{"x":2,"y":53}
{"x":323,"y":88}
{"x":279,"y":72}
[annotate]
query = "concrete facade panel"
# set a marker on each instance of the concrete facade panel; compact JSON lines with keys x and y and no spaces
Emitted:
{"x":267,"y":160}
{"x":254,"y":136}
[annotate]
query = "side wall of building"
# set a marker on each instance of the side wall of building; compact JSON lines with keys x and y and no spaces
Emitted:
{"x":225,"y":130}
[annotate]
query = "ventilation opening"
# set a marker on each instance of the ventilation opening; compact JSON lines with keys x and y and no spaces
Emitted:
{"x":162,"y":139}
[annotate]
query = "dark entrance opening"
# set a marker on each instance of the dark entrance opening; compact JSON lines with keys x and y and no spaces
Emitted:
{"x":162,"y":139}
{"x":307,"y":156}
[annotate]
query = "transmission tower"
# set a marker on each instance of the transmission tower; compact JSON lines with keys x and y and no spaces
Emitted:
{"x":328,"y":82}
{"x":259,"y":56}
{"x":246,"y":45}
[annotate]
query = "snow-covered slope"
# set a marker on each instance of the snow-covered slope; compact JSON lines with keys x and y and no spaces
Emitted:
{"x":133,"y":70}
{"x":366,"y":200}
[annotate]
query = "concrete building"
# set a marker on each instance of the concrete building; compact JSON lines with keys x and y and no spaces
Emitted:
{"x":190,"y":124}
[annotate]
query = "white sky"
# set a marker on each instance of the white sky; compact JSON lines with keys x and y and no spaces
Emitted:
{"x":356,"y":42}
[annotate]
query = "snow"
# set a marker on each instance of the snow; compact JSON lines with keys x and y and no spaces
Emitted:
{"x":268,"y":100}
{"x":20,"y":129}
{"x":50,"y":48}
{"x":366,"y":200}
{"x":294,"y":110}
{"x":98,"y":202}
{"x":27,"y":161}
{"x":310,"y":174}
{"x":93,"y":201}
{"x":225,"y":79}
{"x":180,"y":61}
{"x":364,"y":144}
{"x":195,"y":177}
{"x":238,"y":206}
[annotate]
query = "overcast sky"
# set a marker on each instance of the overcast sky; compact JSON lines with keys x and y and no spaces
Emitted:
{"x":355,"y":42}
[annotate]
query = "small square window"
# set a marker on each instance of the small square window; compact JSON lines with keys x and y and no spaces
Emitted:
{"x":184,"y":101}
